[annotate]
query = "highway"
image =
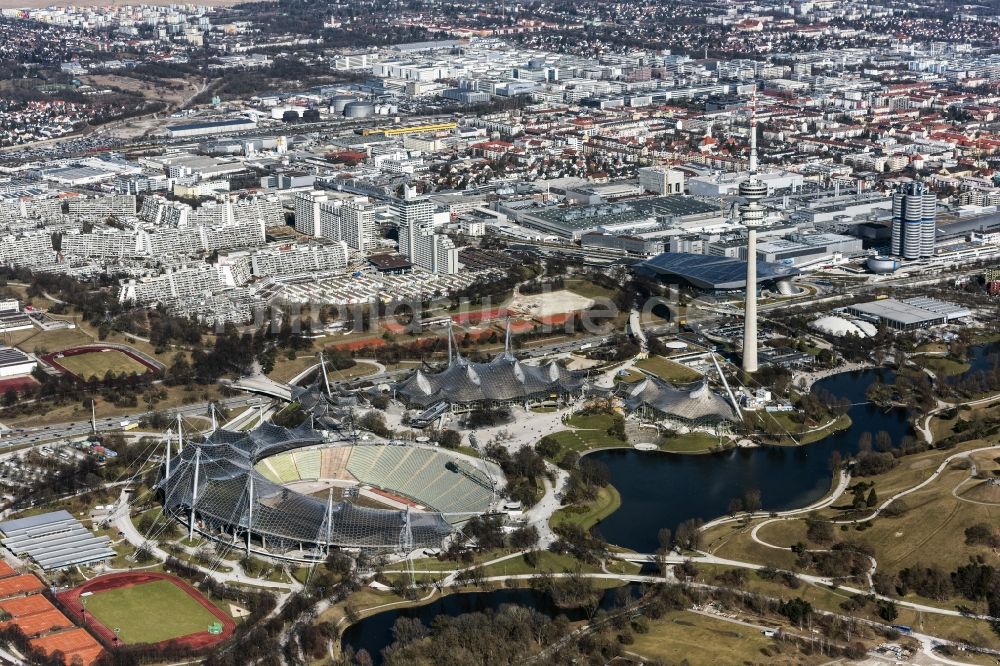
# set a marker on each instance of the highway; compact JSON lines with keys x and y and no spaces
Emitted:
{"x":18,"y":437}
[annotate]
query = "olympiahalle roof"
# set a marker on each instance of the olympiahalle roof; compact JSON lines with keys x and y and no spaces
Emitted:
{"x":502,"y":379}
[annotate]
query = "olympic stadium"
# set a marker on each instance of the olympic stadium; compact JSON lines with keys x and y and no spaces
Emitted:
{"x":292,"y":493}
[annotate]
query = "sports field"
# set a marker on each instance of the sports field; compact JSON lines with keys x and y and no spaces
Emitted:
{"x":97,"y":364}
{"x":149,"y":612}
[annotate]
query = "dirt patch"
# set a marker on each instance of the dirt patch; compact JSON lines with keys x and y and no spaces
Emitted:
{"x":921,"y":464}
{"x":552,"y":303}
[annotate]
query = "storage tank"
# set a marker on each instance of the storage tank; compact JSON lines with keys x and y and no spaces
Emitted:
{"x":359,"y":110}
{"x":278,"y":111}
{"x":338,"y":102}
{"x":882,"y":264}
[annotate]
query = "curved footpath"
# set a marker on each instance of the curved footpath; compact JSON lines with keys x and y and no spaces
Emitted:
{"x":827,"y":500}
{"x":711,"y":559}
{"x":123,"y":522}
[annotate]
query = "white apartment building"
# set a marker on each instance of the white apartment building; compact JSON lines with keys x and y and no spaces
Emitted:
{"x":164,"y":212}
{"x":349,"y":219}
{"x":106,"y":206}
{"x":308,"y":212}
{"x":184,"y":282}
{"x":299,"y":259}
{"x":661,"y":180}
{"x":415,"y":219}
{"x":27,"y":250}
{"x":106,"y":244}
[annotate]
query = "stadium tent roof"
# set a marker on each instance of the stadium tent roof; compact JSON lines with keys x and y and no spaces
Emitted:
{"x":55,"y":540}
{"x":226,"y":475}
{"x":698,"y":404}
{"x":502,"y":379}
{"x":713,"y":273}
{"x":328,"y":410}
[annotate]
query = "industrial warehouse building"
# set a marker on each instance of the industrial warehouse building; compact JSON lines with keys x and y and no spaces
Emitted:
{"x":910,"y":313}
{"x":210,"y":127}
{"x":640,"y":217}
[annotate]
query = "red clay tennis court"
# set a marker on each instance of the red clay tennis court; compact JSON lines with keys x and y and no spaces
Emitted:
{"x":40,"y":623}
{"x":21,"y":584}
{"x":21,"y":606}
{"x":72,"y":643}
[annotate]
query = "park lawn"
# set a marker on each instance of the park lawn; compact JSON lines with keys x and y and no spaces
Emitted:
{"x":285,"y":369}
{"x":591,"y":432}
{"x":692,"y":638}
{"x":99,"y":363}
{"x":786,"y":533}
{"x":548,"y":562}
{"x":630,"y":377}
{"x":584,"y":440}
{"x":42,"y":342}
{"x":942,"y":365}
{"x":958,"y":629}
{"x":735,"y":543}
{"x":802,"y":433}
{"x":590,"y":421}
{"x":587,"y":289}
{"x":909,"y":472}
{"x":818,"y":595}
{"x":931,"y":531}
{"x":668,"y":370}
{"x":692,"y":442}
{"x":587,"y":515}
{"x":150,"y":613}
{"x":74,"y":411}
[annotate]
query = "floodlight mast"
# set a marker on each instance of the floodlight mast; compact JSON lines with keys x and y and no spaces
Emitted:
{"x":194,"y":491}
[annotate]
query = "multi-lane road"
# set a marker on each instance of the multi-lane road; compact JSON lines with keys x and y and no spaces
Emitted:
{"x":18,"y":437}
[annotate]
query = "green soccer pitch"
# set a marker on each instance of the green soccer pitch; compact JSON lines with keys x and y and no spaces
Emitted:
{"x":149,"y":612}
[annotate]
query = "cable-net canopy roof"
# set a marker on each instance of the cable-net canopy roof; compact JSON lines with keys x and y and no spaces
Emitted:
{"x":217,"y":478}
{"x":502,"y":379}
{"x":697,"y":404}
{"x":329,"y":408}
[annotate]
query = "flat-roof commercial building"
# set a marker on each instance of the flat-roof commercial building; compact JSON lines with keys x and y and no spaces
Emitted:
{"x":807,"y":249}
{"x":639,"y":217}
{"x":54,"y":540}
{"x":210,"y":127}
{"x":909,"y":314}
{"x":728,"y":184}
{"x":15,"y":362}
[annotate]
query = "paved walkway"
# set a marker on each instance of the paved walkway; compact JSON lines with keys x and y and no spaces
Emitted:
{"x":123,"y":522}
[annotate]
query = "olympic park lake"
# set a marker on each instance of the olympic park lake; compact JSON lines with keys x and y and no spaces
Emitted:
{"x":374,"y":633}
{"x":664,"y":489}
